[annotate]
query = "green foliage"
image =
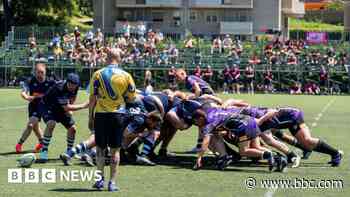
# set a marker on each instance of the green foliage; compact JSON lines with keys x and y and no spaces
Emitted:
{"x":336,"y":5}
{"x":300,"y":24}
{"x":43,"y":12}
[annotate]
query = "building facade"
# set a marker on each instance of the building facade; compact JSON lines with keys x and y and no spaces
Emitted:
{"x":200,"y":17}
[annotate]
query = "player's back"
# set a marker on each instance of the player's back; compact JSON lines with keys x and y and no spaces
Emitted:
{"x":112,"y":86}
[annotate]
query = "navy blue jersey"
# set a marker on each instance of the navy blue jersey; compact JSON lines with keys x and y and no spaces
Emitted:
{"x":36,"y":88}
{"x":58,"y":96}
{"x":185,"y":110}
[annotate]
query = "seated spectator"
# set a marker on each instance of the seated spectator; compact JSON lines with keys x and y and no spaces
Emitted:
{"x":254,"y":60}
{"x":216,"y":45}
{"x":295,"y":88}
{"x":76,"y":34}
{"x":140,"y":29}
{"x":173,"y":54}
{"x":227,"y":43}
{"x":291,"y":59}
{"x":189,"y":43}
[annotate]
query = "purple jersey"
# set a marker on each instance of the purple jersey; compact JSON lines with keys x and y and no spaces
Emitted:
{"x":204,"y":86}
{"x":230,"y":120}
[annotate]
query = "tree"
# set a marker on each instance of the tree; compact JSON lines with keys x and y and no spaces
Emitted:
{"x":42,"y":12}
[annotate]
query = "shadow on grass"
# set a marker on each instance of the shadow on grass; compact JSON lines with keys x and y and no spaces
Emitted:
{"x":74,"y":190}
{"x":14,"y":153}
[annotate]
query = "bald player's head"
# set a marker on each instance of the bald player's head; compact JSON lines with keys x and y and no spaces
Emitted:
{"x":114,"y":56}
{"x":40,"y":71}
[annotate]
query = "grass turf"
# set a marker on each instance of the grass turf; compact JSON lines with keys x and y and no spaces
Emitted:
{"x":176,"y":178}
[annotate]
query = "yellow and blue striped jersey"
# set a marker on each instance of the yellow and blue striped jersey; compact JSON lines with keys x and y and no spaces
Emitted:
{"x":113,"y":87}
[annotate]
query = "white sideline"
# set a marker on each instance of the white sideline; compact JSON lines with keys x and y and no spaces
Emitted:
{"x":324,"y":109}
{"x":270,"y":192}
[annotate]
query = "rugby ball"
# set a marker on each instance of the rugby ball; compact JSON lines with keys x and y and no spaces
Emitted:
{"x":26,"y":160}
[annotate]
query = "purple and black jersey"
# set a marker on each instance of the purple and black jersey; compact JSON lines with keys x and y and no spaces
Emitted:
{"x":230,"y":120}
{"x":204,"y":86}
{"x":287,"y":118}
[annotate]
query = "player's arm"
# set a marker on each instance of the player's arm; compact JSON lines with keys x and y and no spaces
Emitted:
{"x":94,"y":84}
{"x":270,"y":114}
{"x":234,"y":102}
{"x":201,"y":153}
{"x":130,"y":94}
{"x":196,"y":89}
{"x":216,"y":99}
{"x":76,"y":107}
{"x":25,"y":93}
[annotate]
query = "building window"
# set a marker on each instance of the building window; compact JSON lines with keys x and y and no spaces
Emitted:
{"x":157,"y":16}
{"x":212,"y":19}
{"x":140,"y":2}
{"x":193,"y":16}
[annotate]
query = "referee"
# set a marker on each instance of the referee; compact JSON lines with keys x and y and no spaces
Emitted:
{"x":111,"y":88}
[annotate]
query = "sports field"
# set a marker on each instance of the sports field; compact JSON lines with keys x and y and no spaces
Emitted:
{"x":328,"y":116}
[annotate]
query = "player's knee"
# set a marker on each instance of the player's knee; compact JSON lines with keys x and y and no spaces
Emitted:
{"x":51,"y":124}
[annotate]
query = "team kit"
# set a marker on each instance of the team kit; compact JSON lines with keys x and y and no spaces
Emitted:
{"x":127,"y":124}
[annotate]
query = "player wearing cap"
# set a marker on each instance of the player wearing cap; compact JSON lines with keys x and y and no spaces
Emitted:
{"x":56,"y":106}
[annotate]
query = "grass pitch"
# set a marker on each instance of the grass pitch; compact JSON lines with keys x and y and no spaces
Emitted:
{"x":177,"y":178}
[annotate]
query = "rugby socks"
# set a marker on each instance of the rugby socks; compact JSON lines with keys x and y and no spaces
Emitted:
{"x":323,"y":147}
{"x":147,"y":147}
{"x":267,"y":155}
{"x":80,"y":148}
{"x":21,"y":141}
{"x":199,"y":143}
{"x":291,"y":155}
{"x":46,"y":142}
{"x":70,"y":142}
{"x":297,"y":144}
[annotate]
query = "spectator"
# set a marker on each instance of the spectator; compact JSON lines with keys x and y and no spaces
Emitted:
{"x":141,"y":29}
{"x":227,"y":43}
{"x":208,"y":74}
{"x":227,"y":79}
{"x":197,"y":71}
{"x":236,"y":75}
{"x":249,"y":76}
{"x":172,"y":78}
{"x":268,"y":81}
{"x":216,"y":45}
{"x":295,"y":88}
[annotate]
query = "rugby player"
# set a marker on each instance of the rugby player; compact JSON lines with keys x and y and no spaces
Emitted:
{"x":57,"y":106}
{"x":193,"y":83}
{"x":212,"y":121}
{"x":33,"y":89}
{"x":111,"y":88}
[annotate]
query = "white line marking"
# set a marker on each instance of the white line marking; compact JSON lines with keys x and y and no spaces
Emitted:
{"x":13,"y":107}
{"x":324,"y":109}
{"x":271,"y":191}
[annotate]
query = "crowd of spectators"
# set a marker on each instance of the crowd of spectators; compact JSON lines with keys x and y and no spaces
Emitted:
{"x":90,"y":49}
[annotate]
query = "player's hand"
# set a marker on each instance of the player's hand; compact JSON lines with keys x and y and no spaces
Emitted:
{"x":198,"y":164}
{"x":30,"y":98}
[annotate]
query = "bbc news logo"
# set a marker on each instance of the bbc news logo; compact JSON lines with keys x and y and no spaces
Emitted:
{"x":32,"y":175}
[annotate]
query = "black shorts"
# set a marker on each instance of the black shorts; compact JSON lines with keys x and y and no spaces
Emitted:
{"x":34,"y":111}
{"x":249,"y":80}
{"x":64,"y":118}
{"x":109,"y":128}
{"x":291,"y":119}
